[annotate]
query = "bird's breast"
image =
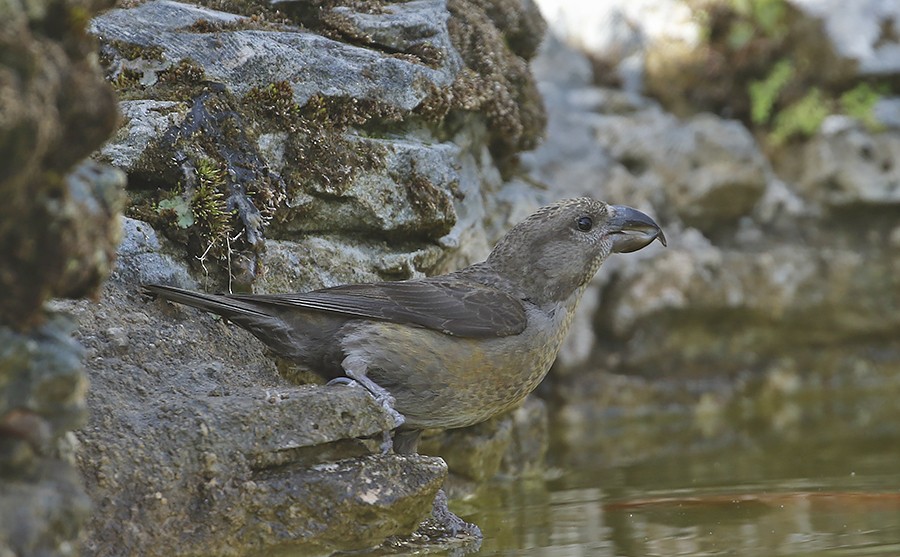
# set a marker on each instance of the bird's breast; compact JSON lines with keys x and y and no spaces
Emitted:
{"x":445,"y":381}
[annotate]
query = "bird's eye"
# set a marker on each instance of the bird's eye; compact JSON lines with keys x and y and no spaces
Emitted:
{"x":585,"y":223}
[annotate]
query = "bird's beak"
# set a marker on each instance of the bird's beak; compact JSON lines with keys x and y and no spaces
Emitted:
{"x":632,"y":230}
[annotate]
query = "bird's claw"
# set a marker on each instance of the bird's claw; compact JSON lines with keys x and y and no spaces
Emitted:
{"x":346,"y":381}
{"x":442,"y":514}
{"x":356,"y":375}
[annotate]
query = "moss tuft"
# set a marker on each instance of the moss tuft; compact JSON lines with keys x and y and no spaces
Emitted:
{"x":764,"y":93}
{"x":860,"y":102}
{"x":800,"y":119}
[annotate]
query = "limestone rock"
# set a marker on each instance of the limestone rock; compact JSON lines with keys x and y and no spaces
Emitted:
{"x":851,"y":168}
{"x":722,"y":310}
{"x":332,"y":137}
{"x":144,"y":121}
{"x":193,"y":425}
{"x":58,"y":230}
{"x":710,"y":171}
{"x":245,"y":58}
{"x":860,"y":31}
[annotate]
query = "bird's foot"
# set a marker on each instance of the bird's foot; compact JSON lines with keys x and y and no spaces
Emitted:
{"x":355,"y":369}
{"x":441,"y":514}
{"x":387,"y":442}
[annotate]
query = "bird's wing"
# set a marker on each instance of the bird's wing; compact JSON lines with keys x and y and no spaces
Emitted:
{"x":464,"y":309}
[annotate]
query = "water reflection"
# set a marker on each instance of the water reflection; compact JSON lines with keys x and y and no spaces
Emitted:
{"x":827,"y":485}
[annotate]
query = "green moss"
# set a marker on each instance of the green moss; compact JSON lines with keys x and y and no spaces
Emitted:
{"x":764,"y":93}
{"x":430,"y":202}
{"x":496,"y":83}
{"x":740,"y":34}
{"x":130,"y":51}
{"x":802,"y":118}
{"x":181,"y":81}
{"x":860,"y":102}
{"x":274,"y":101}
{"x":768,"y":16}
{"x":767,"y":65}
{"x":208,"y":205}
{"x":323,"y":159}
{"x":200,"y":210}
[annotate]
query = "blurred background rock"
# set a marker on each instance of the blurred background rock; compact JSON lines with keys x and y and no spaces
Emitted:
{"x":58,"y":234}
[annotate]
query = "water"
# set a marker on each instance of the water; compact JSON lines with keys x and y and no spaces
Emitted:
{"x":815,"y":474}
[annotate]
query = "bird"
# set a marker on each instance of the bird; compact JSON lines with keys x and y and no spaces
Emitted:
{"x":452,"y":350}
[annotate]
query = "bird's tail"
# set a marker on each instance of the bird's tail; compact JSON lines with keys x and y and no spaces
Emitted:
{"x":290,"y":339}
{"x":234,"y":310}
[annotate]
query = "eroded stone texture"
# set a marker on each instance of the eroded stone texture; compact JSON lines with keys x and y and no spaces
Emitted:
{"x":58,"y":230}
{"x":354,"y":142}
{"x":360,"y":122}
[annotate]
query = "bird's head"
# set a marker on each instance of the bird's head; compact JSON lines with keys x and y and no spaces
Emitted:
{"x":556,"y":251}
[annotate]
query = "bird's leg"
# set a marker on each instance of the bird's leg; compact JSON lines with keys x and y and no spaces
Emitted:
{"x":355,"y":368}
{"x":407,"y":441}
{"x":442,"y":514}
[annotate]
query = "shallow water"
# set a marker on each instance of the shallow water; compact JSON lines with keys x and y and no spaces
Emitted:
{"x":816,"y":474}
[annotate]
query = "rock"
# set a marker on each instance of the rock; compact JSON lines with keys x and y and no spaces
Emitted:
{"x":320,"y":262}
{"x":319,"y":148}
{"x":43,"y":376}
{"x":860,"y":31}
{"x":419,"y":27}
{"x":73,"y":226}
{"x":144,"y":122}
{"x":704,"y":171}
{"x":58,"y":231}
{"x":352,"y":145}
{"x":243,"y":58}
{"x":473,"y":453}
{"x":140,"y":261}
{"x":850,"y":168}
{"x":42,"y":389}
{"x":193,"y":425}
{"x":617,"y":34}
{"x":410,"y":195}
{"x":49,"y":510}
{"x":711,"y":171}
{"x":887,"y":112}
{"x":525,"y":455}
{"x":511,"y":446}
{"x":52,"y":119}
{"x":788,"y":299}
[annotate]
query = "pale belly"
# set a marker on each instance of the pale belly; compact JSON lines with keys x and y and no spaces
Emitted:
{"x":446,"y":382}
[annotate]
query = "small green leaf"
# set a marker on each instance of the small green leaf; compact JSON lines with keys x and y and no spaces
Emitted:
{"x":739,"y":34}
{"x":803,"y":117}
{"x":860,"y":102}
{"x":184,"y":217}
{"x":764,"y":94}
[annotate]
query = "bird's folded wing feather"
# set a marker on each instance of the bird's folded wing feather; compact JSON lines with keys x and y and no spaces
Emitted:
{"x":464,"y":309}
